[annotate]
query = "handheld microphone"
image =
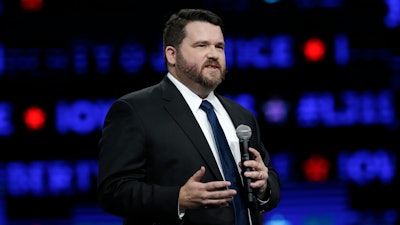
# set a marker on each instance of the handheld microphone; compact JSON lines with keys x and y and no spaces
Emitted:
{"x":243,"y":132}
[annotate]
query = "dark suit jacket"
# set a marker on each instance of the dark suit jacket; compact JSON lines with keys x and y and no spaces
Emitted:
{"x":151,"y":145}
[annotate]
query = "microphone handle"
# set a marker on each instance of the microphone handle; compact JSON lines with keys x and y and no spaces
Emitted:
{"x":244,"y":150}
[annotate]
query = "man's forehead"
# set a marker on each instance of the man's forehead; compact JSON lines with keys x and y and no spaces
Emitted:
{"x":203,"y":31}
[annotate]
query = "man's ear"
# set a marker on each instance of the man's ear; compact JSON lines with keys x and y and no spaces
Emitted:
{"x":170,"y":55}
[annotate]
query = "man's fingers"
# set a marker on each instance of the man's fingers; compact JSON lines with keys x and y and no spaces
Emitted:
{"x":199,"y":174}
{"x":217,"y":185}
{"x":255,"y":153}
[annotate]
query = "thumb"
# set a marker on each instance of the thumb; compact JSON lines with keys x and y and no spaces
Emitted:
{"x":199,"y":174}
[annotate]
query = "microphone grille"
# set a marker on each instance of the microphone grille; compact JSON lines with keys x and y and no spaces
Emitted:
{"x":243,"y":132}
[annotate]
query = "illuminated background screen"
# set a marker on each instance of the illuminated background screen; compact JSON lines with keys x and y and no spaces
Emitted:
{"x":321,"y":76}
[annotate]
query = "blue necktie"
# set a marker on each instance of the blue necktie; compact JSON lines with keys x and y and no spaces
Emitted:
{"x":228,"y":164}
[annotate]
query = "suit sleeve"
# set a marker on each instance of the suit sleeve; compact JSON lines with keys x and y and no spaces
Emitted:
{"x":122,"y":189}
{"x":273,"y":197}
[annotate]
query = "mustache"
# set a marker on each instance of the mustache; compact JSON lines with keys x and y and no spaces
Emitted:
{"x":212,"y":62}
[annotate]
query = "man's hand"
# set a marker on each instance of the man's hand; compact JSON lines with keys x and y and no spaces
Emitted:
{"x":258,"y":173}
{"x":195,"y":194}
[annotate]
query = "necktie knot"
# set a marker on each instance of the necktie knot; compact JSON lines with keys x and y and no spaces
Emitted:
{"x":206,"y":106}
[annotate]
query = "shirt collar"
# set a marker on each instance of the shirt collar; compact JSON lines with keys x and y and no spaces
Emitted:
{"x":191,"y":98}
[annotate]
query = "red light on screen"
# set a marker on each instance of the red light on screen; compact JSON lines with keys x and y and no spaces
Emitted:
{"x":314,"y":49}
{"x":34,"y":118}
{"x":31,"y":5}
{"x":316,"y":168}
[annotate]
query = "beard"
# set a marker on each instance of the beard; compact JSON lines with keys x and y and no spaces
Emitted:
{"x":194,"y":73}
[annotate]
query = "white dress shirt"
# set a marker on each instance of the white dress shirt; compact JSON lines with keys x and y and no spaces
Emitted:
{"x":194,"y":102}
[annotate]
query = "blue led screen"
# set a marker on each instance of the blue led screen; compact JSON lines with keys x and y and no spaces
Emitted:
{"x":321,"y":76}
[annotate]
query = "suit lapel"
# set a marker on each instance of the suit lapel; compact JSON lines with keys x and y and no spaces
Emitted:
{"x":181,"y":113}
{"x":236,"y":120}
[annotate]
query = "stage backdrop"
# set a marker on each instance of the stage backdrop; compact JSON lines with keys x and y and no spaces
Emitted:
{"x":321,"y":76}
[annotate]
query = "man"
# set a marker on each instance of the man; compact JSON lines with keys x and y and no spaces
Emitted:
{"x":158,"y":161}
